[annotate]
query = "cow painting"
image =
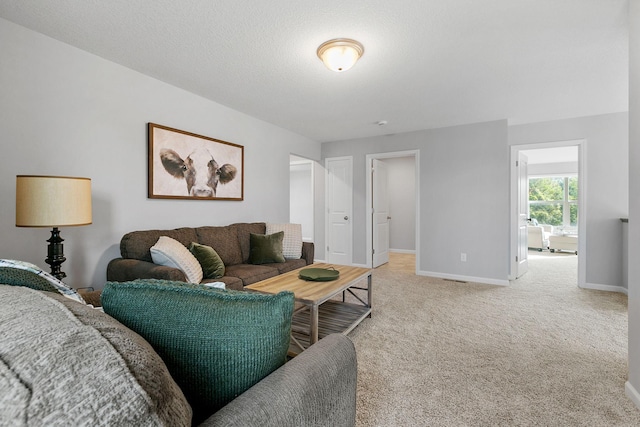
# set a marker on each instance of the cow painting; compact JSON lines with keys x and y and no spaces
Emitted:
{"x":201,"y":172}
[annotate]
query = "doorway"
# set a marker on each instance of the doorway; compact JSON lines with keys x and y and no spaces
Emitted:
{"x":556,"y":167}
{"x":301,"y":195}
{"x":403,"y":172}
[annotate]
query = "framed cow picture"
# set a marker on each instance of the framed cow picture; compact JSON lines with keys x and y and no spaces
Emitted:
{"x":183,"y":165}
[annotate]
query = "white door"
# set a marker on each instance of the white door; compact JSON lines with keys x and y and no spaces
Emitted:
{"x":522,"y":261}
{"x":339,"y":200}
{"x":380,"y":221}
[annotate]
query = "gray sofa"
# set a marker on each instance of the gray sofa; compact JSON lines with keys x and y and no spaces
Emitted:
{"x":231,"y":242}
{"x":64,"y":363}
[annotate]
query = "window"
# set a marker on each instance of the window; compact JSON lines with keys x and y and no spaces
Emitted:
{"x":554,"y":200}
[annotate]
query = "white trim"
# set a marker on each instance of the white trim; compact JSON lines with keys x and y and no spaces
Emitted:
{"x":312,"y":163}
{"x":582,"y":203}
{"x":360,"y":265}
{"x":402,"y":251}
{"x":477,"y":280}
{"x":369,"y":207}
{"x":607,"y":288}
{"x":632,"y":394}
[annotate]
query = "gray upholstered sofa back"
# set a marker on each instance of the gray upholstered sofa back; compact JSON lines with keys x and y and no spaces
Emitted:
{"x":231,"y":242}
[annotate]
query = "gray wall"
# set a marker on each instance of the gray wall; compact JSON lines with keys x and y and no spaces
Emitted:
{"x":633,"y":383}
{"x":402,"y":203}
{"x":607,"y":170}
{"x":66,"y":112}
{"x":464,"y":183}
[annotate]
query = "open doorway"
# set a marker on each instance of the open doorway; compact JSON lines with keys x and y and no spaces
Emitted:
{"x":301,"y":195}
{"x":402,"y":181}
{"x":554,"y":203}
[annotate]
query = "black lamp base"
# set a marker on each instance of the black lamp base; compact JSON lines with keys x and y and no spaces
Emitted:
{"x":55,"y":255}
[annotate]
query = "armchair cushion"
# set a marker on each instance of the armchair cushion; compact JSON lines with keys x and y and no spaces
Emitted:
{"x":65,"y":363}
{"x":537,"y":238}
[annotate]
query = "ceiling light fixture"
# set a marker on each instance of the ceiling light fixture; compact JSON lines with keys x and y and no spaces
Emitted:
{"x":340,"y":54}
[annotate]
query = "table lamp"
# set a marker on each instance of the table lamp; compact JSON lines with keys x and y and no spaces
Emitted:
{"x":53,"y":201}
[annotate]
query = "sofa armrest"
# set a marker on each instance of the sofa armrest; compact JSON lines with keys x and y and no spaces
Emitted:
{"x":308,"y":252}
{"x":91,"y":297}
{"x":124,"y":270}
{"x":316,"y":388}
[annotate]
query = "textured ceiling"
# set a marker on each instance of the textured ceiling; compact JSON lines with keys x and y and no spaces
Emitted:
{"x":427,"y":63}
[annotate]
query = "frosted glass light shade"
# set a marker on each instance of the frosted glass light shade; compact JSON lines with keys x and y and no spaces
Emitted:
{"x":340,"y":54}
{"x":52,"y":201}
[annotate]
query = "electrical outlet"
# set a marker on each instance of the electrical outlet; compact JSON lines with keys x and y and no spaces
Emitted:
{"x":463,"y":257}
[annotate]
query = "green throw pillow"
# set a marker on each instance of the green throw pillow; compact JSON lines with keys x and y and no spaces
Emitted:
{"x":266,"y":248}
{"x":212,"y":265}
{"x":216,"y":343}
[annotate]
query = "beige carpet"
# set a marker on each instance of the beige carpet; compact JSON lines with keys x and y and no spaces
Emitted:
{"x":540,"y":352}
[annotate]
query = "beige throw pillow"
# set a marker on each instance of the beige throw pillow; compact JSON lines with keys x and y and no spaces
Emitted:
{"x":171,"y":253}
{"x":292,"y":241}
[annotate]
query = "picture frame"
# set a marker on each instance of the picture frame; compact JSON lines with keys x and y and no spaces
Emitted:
{"x":184,"y":165}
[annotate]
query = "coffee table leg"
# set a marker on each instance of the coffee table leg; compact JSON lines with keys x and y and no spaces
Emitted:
{"x":313,"y":337}
{"x":369,"y":292}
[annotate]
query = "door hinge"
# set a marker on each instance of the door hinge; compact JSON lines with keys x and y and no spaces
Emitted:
{"x":516,"y":258}
{"x":517,"y":163}
{"x":327,"y":248}
{"x":373,"y":252}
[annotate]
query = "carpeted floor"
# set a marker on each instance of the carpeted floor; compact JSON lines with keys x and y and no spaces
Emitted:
{"x":539,"y":352}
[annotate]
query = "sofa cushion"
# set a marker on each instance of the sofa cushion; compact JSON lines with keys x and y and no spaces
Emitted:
{"x":65,"y":363}
{"x":210,"y":261}
{"x":244,"y":230}
{"x":216,"y":343}
{"x":230,"y":282}
{"x":137,"y":244}
{"x":171,"y":253}
{"x":292,"y":241}
{"x":290,"y":264}
{"x":22,"y":273}
{"x":250,"y":273}
{"x":266,"y":248}
{"x":224,"y":240}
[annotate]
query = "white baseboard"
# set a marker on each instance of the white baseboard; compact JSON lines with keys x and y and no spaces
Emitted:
{"x":352,"y":264}
{"x":483,"y":280}
{"x":632,"y":394}
{"x":402,"y":251}
{"x":608,"y":288}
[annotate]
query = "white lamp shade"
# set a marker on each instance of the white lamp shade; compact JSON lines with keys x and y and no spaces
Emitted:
{"x":52,"y":201}
{"x":340,"y":54}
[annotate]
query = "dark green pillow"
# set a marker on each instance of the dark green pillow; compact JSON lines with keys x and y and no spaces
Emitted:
{"x":210,"y":261}
{"x":216,"y":343}
{"x":19,"y":277}
{"x":266,"y":248}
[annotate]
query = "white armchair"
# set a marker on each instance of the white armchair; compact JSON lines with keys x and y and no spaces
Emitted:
{"x":538,"y":236}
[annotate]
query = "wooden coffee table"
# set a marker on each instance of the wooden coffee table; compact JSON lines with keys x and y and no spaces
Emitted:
{"x":321,"y":314}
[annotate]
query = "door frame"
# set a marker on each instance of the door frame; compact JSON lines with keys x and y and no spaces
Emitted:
{"x":299,"y":160}
{"x":582,"y":202}
{"x":369,"y":199}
